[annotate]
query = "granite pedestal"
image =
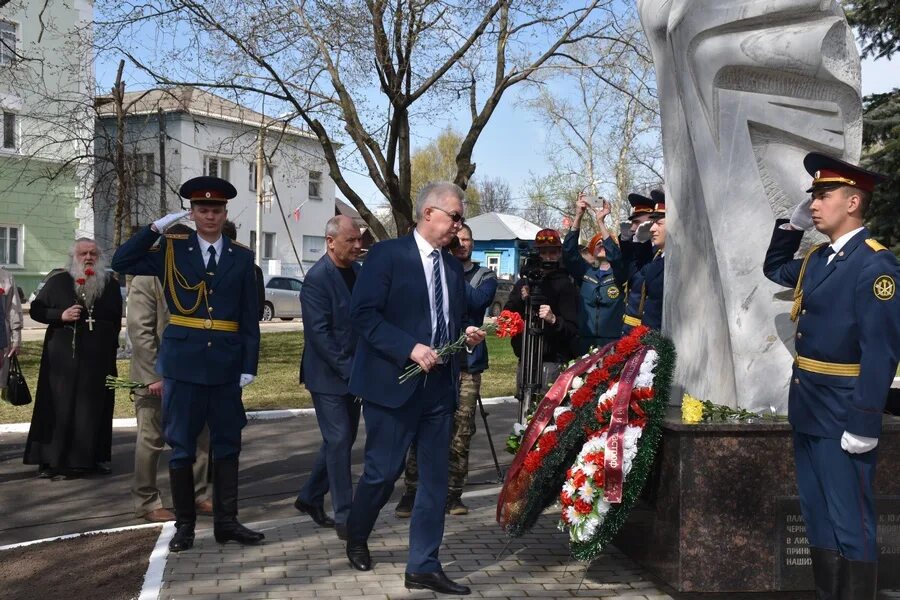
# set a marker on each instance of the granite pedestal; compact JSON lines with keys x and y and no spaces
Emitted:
{"x":720,"y":512}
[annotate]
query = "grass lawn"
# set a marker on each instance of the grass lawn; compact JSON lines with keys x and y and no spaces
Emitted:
{"x":277,"y":385}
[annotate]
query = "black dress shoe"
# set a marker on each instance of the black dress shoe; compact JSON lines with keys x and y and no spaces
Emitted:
{"x":358,"y":553}
{"x":232,"y":531}
{"x":317,"y":513}
{"x":436,"y":582}
{"x":183,"y":538}
{"x":341,"y":530}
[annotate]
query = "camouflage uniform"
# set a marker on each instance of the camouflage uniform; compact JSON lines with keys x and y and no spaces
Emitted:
{"x":463,"y":430}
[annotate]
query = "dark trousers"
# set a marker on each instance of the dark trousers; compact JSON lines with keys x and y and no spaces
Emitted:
{"x":338,"y":418}
{"x":836,"y":496}
{"x":187,"y":407}
{"x":426,"y":417}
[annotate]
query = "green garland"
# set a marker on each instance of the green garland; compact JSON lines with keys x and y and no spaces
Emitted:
{"x":643,"y":462}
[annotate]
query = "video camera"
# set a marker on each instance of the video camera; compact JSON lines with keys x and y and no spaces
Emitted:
{"x":532,"y":267}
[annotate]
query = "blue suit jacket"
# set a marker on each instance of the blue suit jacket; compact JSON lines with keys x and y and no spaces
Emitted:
{"x":841,"y":320}
{"x":390,"y":311}
{"x":201,"y":356}
{"x":329,"y":341}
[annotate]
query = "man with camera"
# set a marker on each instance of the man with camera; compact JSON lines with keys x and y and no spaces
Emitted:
{"x":546,"y":289}
{"x":600,"y":317}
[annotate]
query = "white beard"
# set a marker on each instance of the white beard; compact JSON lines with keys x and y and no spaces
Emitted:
{"x":94,"y":285}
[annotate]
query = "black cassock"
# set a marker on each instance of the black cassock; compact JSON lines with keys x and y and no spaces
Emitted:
{"x":71,"y":427}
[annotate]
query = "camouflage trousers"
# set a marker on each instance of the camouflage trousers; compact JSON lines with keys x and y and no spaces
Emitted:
{"x":463,"y":430}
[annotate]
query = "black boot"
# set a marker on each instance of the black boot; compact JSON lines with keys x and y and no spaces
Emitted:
{"x":181,"y":480}
{"x":826,"y":572}
{"x":225,"y":524}
{"x":858,"y":580}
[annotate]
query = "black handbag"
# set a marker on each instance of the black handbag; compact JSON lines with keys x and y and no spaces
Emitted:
{"x":17,"y":392}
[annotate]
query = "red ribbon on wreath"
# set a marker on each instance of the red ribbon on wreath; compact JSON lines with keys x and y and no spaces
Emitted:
{"x":614,"y":456}
{"x":553,"y":398}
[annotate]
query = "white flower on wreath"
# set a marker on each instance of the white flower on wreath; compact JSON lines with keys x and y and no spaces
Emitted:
{"x":518,"y":428}
{"x":577,"y":382}
{"x":560,"y":410}
{"x":569,"y":489}
{"x":589,"y":468}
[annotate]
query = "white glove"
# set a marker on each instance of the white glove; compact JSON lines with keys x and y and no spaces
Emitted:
{"x":643,"y":232}
{"x":801,"y":218}
{"x":162,"y":223}
{"x":247,"y":379}
{"x":857,"y":444}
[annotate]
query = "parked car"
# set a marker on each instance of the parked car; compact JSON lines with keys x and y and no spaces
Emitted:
{"x":282,"y":297}
{"x":504,"y":287}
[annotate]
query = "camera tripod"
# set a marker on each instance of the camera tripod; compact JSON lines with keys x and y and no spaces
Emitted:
{"x":532,"y":356}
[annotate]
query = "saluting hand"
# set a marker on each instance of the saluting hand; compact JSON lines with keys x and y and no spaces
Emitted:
{"x":424,"y":356}
{"x":162,"y":223}
{"x":71,"y":314}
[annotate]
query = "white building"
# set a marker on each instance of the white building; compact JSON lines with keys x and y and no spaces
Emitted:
{"x":46,"y":124}
{"x":205,"y":134}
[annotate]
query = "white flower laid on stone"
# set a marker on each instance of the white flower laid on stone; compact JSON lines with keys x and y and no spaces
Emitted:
{"x":577,"y":382}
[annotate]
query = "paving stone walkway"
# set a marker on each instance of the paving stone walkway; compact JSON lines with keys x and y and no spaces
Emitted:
{"x":301,"y":560}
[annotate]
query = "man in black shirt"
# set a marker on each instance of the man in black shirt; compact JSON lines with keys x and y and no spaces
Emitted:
{"x":329,"y":344}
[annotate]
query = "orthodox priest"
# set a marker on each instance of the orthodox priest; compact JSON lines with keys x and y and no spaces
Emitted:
{"x":71,"y":427}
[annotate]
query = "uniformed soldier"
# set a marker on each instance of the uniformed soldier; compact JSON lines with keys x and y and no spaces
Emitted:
{"x":643,"y":281}
{"x":634,"y":234}
{"x":208,"y":352}
{"x":602,"y":306}
{"x":847,"y":343}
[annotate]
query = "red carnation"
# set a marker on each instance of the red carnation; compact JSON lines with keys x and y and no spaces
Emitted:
{"x":627,"y":345}
{"x":599,"y":478}
{"x":2,"y":291}
{"x":579,"y":479}
{"x":548,"y":441}
{"x":639,"y":331}
{"x":582,"y":507}
{"x":89,"y":272}
{"x":532,"y":462}
{"x":600,"y":415}
{"x":565,"y":498}
{"x":595,"y":457}
{"x":80,"y":281}
{"x":509,"y":324}
{"x":594,"y":378}
{"x":581,"y":397}
{"x":564,"y":420}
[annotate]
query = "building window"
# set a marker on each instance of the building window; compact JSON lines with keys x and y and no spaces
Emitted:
{"x":214,"y":166}
{"x":315,"y":184}
{"x":268,"y":245}
{"x":10,"y":245}
{"x":493,"y":263}
{"x":140,"y":168}
{"x":253,"y":176}
{"x":7,"y":43}
{"x":313,"y":247}
{"x":9,"y":131}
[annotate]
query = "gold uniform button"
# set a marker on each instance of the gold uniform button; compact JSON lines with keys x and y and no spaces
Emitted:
{"x":799,"y":334}
{"x":209,"y":308}
{"x":209,"y":344}
{"x":210,"y":292}
{"x":803,"y":312}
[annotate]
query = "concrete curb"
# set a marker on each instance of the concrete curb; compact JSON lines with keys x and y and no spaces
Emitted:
{"x":258,"y":415}
{"x":154,"y":576}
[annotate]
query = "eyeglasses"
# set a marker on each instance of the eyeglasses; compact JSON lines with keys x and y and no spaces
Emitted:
{"x":455,"y":217}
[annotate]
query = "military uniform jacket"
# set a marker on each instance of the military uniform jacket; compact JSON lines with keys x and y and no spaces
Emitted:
{"x":198,"y":355}
{"x":601,"y":297}
{"x":848,"y":319}
{"x":645,"y":284}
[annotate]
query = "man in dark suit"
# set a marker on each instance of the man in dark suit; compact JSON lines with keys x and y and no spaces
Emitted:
{"x":848,"y":345}
{"x":329,"y":344}
{"x":409,"y":300}
{"x":209,"y":350}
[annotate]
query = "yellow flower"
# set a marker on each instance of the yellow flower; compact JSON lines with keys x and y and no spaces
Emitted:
{"x":691,"y":409}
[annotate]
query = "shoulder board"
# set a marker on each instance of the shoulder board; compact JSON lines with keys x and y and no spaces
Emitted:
{"x":178,"y":236}
{"x":240,"y":245}
{"x":875,"y":245}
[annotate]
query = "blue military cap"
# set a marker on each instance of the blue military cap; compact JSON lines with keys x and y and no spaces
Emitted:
{"x":208,"y":190}
{"x":640,"y":205}
{"x":829,"y":173}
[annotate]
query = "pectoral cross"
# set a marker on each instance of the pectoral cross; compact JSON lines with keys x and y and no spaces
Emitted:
{"x":90,"y":320}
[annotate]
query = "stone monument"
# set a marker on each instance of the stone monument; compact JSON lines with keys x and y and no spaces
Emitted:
{"x":746,"y":89}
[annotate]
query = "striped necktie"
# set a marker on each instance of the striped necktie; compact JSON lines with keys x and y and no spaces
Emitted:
{"x":440,"y":331}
